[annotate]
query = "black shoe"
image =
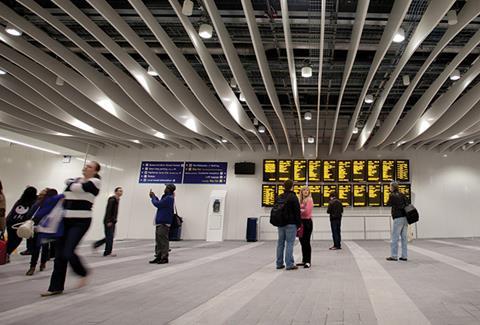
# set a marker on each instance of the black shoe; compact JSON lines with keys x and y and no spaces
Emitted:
{"x":280,"y":267}
{"x":390,"y":258}
{"x":301,"y":264}
{"x":154,"y":261}
{"x":163,"y":261}
{"x":307,"y":265}
{"x":403,"y":259}
{"x":26,"y":252}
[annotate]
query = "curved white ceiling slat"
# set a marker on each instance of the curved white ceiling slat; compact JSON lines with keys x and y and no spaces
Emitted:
{"x":407,"y":122}
{"x":221,"y":86}
{"x":360,"y":15}
{"x":435,"y":11}
{"x":291,"y":67}
{"x":454,"y":144}
{"x":441,"y":105}
{"x":434,"y":144}
{"x":153,"y":92}
{"x":237,"y":69}
{"x":469,"y":12}
{"x":320,"y":72}
{"x":264,"y":69}
{"x":399,"y":10}
{"x":163,"y":121}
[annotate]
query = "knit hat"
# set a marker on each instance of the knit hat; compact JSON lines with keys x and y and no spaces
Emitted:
{"x":171,"y":187}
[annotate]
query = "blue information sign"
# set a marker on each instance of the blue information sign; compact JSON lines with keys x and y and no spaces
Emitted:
{"x":205,"y":173}
{"x":161,"y":172}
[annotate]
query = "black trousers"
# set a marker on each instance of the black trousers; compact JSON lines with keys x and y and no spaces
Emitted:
{"x":45,"y":248}
{"x":336,"y":225}
{"x":13,"y":240}
{"x":74,"y":230}
{"x":108,"y":240}
{"x":305,"y":240}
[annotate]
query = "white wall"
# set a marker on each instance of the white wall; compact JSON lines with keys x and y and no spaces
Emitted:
{"x":445,"y":190}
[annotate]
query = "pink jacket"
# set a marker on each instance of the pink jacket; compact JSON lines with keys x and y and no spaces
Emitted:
{"x":306,"y":209}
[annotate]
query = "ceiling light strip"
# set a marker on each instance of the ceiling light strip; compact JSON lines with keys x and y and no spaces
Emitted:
{"x":29,"y":145}
{"x":434,"y":13}
{"x":469,"y":12}
{"x":291,"y":67}
{"x":399,"y":10}
{"x":360,"y":15}
{"x":320,"y":72}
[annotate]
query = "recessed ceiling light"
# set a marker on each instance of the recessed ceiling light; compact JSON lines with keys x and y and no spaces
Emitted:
{"x":224,"y":140}
{"x":399,"y":36}
{"x":261,"y":129}
{"x":241,"y":97}
{"x":355,"y":130}
{"x":59,"y":81}
{"x":307,"y":71}
{"x":452,"y":17}
{"x":10,"y":29}
{"x":308,"y":116}
{"x":205,"y":31}
{"x":255,"y":121}
{"x":445,"y":155}
{"x":369,"y":99}
{"x":151,"y":71}
{"x":311,"y":140}
{"x":471,"y":142}
{"x":406,"y":79}
{"x":187,"y":8}
{"x":2,"y":72}
{"x":455,"y":75}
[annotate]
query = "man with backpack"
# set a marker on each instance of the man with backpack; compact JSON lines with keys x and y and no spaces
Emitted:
{"x":285,"y":215}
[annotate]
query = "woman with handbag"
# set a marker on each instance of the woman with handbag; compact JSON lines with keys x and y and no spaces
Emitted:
{"x":306,"y":207}
{"x":19,"y":214}
{"x":79,"y":195}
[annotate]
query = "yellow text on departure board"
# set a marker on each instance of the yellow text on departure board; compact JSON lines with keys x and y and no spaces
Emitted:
{"x":299,"y":170}
{"x":314,"y":170}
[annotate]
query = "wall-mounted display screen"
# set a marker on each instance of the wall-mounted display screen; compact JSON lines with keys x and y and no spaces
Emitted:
{"x":316,"y":191}
{"x":403,"y":170}
{"x":280,"y":189}
{"x":344,"y":171}
{"x":329,"y":170}
{"x":374,"y":195}
{"x":388,"y":170}
{"x":314,"y":170}
{"x":345,"y":194}
{"x":385,"y":194}
{"x":299,"y":170}
{"x":405,"y":189}
{"x":359,"y":170}
{"x":327,"y":190}
{"x":373,"y":170}
{"x":268,"y":195}
{"x":269,"y":170}
{"x":285,"y":170}
{"x":359,"y":195}
{"x":297,"y":188}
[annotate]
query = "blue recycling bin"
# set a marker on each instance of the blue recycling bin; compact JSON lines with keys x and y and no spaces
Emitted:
{"x":252,"y":225}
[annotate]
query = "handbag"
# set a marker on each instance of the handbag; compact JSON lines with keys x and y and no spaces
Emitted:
{"x":24,"y":229}
{"x":177,"y":220}
{"x":300,"y":231}
{"x":411,"y":213}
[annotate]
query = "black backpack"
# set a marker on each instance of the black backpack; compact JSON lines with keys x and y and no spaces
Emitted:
{"x":278,"y":215}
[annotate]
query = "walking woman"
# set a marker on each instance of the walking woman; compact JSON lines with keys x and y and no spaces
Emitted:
{"x":306,"y":207}
{"x":79,"y":197}
{"x":398,"y":201}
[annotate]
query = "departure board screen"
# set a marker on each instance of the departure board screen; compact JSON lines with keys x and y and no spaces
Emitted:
{"x":297,"y":188}
{"x":327,"y":190}
{"x":329,"y":170}
{"x":374,"y":195}
{"x":314,"y":170}
{"x":268,"y":195}
{"x":359,"y":171}
{"x":388,"y":170}
{"x":359,"y":195}
{"x":269,"y":170}
{"x":386,"y":194}
{"x":373,"y":170}
{"x":316,"y":191}
{"x":280,"y":189}
{"x":284,"y":170}
{"x":345,"y":194}
{"x":405,"y":189}
{"x":299,"y":170}
{"x":403,"y":170}
{"x":344,"y":171}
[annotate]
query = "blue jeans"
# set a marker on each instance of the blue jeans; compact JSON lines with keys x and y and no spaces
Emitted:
{"x":400,"y":229}
{"x":286,"y":234}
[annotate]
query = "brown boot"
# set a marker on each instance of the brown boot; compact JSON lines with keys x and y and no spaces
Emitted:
{"x":30,"y":271}
{"x":42,"y":267}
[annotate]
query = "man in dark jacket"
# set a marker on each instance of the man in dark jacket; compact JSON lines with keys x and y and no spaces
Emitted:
{"x":287,"y":232}
{"x":163,"y":220}
{"x":398,"y":201}
{"x":109,"y":222}
{"x":335,"y":209}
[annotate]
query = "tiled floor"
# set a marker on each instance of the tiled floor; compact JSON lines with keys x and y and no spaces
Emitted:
{"x":236,"y":283}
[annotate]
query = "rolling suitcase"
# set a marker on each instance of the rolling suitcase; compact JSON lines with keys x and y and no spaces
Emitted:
{"x":3,"y":251}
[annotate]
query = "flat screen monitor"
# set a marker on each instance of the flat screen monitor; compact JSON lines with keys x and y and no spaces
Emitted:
{"x":359,"y":173}
{"x":344,"y":171}
{"x":345,"y":194}
{"x":403,"y":170}
{"x":299,"y":170}
{"x":285,"y":170}
{"x":327,"y":190}
{"x":268,"y":195}
{"x":269,"y":170}
{"x":373,"y":170}
{"x":359,"y":195}
{"x":314,"y":171}
{"x":329,"y":170}
{"x":374,"y":195}
{"x":388,"y":170}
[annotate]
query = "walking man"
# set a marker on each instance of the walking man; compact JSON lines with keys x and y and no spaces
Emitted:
{"x":109,"y":222}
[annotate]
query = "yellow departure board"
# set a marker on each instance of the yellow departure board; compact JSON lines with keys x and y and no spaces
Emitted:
{"x":314,"y":170}
{"x":297,"y":188}
{"x":344,"y":171}
{"x":374,"y":195}
{"x":284,"y":170}
{"x":329,"y":170}
{"x":388,"y":170}
{"x":269,"y":170}
{"x":299,"y":170}
{"x":405,"y":189}
{"x":280,"y":189}
{"x":345,"y":194}
{"x":268,"y":195}
{"x":386,"y":194}
{"x":316,"y":191}
{"x":359,"y":170}
{"x":359,"y":195}
{"x":373,"y":170}
{"x":403,"y":170}
{"x":327,"y":190}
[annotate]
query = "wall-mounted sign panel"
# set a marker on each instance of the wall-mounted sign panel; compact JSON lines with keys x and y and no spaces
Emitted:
{"x":205,"y":173}
{"x":280,"y":189}
{"x":388,"y":170}
{"x":327,"y":190}
{"x":359,"y":195}
{"x":316,"y":191}
{"x":345,"y":194}
{"x":403,"y":170}
{"x":385,"y":194}
{"x":374,"y":195}
{"x":344,"y":171}
{"x":406,"y":189}
{"x":268,"y":195}
{"x":160,"y":172}
{"x":300,"y":170}
{"x":297,"y":188}
{"x":314,"y":171}
{"x":359,"y":171}
{"x":285,"y":170}
{"x":373,"y":170}
{"x":269,"y":170}
{"x":329,"y":170}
